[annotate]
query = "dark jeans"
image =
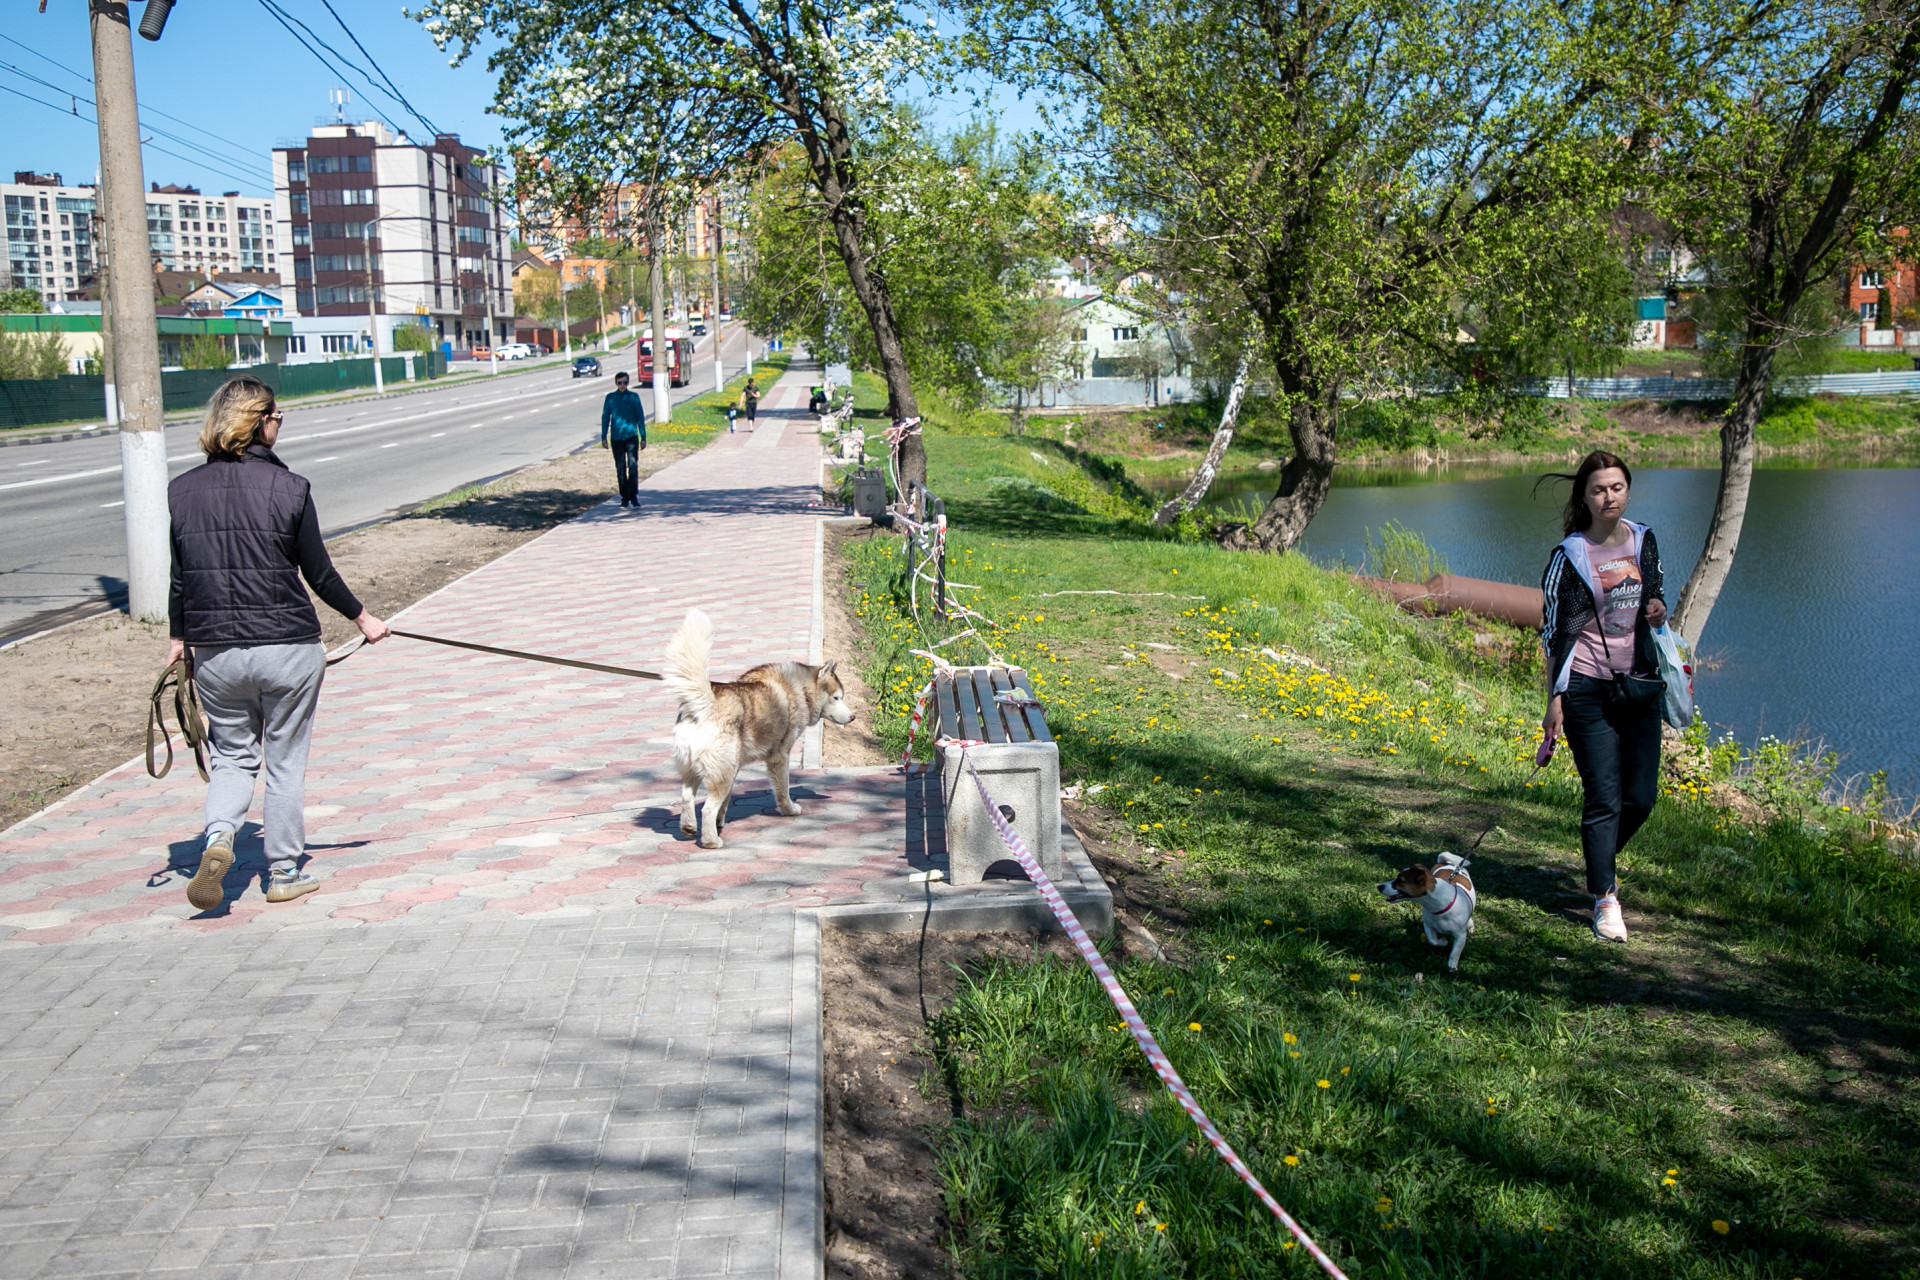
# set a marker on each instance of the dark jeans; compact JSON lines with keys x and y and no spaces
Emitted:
{"x":1616,"y":748}
{"x":626,"y":467}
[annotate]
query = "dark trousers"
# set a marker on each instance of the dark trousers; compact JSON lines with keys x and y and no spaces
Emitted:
{"x":1616,"y":748}
{"x":626,"y":467}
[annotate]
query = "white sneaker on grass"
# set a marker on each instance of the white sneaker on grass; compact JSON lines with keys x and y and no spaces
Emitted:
{"x":1608,"y":924}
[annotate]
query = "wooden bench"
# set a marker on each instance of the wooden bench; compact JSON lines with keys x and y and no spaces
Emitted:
{"x":1016,"y":759}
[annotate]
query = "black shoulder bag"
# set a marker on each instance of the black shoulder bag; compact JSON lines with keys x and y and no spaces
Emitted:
{"x":1627,"y":689}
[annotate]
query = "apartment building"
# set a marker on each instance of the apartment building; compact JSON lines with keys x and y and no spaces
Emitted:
{"x":50,"y":237}
{"x":361,"y":207}
{"x":204,"y":235}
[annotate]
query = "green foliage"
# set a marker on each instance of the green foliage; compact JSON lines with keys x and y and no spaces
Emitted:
{"x":1519,"y":1118}
{"x":20,"y":302}
{"x":967,"y":224}
{"x":32,"y":355}
{"x":1403,"y":555}
{"x":205,"y":351}
{"x":412,"y":337}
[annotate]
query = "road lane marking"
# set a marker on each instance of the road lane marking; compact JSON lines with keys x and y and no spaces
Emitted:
{"x":37,"y":462}
{"x":391,"y":444}
{"x":332,"y":457}
{"x":436,"y":435}
{"x":121,"y":503}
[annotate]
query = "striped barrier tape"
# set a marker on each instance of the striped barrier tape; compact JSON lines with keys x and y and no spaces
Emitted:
{"x":1156,"y":1056}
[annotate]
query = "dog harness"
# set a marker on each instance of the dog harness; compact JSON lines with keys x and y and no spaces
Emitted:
{"x":1453,"y":902}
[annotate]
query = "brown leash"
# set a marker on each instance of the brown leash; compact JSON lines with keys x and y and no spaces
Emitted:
{"x":178,"y":677}
{"x":186,"y":712}
{"x":506,"y":653}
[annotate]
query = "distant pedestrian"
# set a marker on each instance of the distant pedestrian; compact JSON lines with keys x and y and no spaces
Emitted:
{"x":750,"y":400}
{"x":244,"y":534}
{"x":623,"y":422}
{"x":1604,"y":592}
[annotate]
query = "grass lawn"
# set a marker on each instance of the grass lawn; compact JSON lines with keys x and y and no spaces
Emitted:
{"x":1729,"y":1095}
{"x":703,"y":417}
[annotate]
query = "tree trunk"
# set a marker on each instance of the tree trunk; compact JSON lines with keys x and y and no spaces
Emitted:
{"x":1222,"y":437}
{"x":871,"y":289}
{"x":1305,"y":479}
{"x":1730,"y":503}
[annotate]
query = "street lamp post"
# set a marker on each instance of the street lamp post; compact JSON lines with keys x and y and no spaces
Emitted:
{"x":373,"y":307}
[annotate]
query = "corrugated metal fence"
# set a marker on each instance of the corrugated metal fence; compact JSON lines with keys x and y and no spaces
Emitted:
{"x":82,"y":397}
{"x":1841,"y":384}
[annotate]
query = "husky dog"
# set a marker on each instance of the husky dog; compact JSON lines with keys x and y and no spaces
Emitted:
{"x":1446,"y":898}
{"x":754,"y":719}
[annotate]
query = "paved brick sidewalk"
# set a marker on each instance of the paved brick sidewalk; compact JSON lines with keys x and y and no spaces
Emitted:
{"x":523,"y":1029}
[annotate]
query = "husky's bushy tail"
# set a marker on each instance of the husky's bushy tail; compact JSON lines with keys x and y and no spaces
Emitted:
{"x":686,"y":672}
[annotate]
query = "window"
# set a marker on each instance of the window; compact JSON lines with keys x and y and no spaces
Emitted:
{"x":1126,"y":333}
{"x":1869,"y":312}
{"x":300,"y":237}
{"x":340,"y":230}
{"x":472,"y":204}
{"x":1079,"y":335}
{"x":297,"y":203}
{"x":303,"y":269}
{"x":342,"y":293}
{"x":340,"y":343}
{"x":477,"y":235}
{"x":297,"y":344}
{"x":340,"y":262}
{"x":296,"y":172}
{"x":340,"y":164}
{"x":1870,"y":280}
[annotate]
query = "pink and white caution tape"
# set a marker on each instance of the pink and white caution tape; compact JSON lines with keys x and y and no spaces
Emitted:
{"x":1156,"y":1056}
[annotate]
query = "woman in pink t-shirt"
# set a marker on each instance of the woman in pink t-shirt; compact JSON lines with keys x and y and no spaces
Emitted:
{"x":1604,"y":592}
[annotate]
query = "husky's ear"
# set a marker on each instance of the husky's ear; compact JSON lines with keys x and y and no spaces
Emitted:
{"x":831,"y":663}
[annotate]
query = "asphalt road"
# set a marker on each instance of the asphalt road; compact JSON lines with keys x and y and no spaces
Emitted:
{"x":62,"y":536}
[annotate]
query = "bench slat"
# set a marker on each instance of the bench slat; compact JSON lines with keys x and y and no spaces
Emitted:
{"x":947,"y":713}
{"x":970,"y":727}
{"x":991,"y":719}
{"x":1015,"y":719}
{"x":1036,"y":718}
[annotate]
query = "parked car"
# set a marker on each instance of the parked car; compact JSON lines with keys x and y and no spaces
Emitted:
{"x":481,"y":352}
{"x":515,"y":351}
{"x":586,"y":367}
{"x":542,"y":348}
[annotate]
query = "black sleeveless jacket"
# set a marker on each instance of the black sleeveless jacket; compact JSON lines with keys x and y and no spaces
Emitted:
{"x":244,"y":533}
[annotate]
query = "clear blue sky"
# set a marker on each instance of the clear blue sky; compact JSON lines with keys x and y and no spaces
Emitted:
{"x":228,"y":67}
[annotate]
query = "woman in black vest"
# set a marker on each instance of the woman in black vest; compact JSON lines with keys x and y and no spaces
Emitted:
{"x":244,"y":534}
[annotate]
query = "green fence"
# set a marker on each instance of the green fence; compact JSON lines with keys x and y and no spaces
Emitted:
{"x":82,"y":397}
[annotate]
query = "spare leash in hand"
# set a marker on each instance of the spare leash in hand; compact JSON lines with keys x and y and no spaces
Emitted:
{"x":630,"y":672}
{"x":186,"y":712}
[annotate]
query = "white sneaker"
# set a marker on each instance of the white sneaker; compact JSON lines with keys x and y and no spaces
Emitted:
{"x":1608,"y":924}
{"x":286,"y":885}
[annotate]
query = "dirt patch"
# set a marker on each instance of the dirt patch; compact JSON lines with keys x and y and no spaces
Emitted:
{"x":885,"y":1096}
{"x":855,"y":744}
{"x":76,"y":698}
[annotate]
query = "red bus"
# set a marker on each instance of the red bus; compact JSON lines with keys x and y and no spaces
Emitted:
{"x":679,"y":358}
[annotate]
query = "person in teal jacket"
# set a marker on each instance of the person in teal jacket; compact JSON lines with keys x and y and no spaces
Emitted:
{"x":623,"y":427}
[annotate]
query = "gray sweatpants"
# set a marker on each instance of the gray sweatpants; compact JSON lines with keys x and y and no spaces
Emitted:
{"x":259,"y":701}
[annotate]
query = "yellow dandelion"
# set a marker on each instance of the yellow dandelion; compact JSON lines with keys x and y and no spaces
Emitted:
{"x":1721,"y":1226}
{"x":1140,"y":1208}
{"x":1673,"y":1173}
{"x":1353,"y":977}
{"x":1193,"y":1026}
{"x":1159,"y":1226}
{"x":1345,"y":1070}
{"x":1324,"y":1084}
{"x":1289,"y":1160}
{"x":1669,"y":1182}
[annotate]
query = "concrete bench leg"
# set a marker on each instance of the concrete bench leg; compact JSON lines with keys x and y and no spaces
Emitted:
{"x":1023,"y":777}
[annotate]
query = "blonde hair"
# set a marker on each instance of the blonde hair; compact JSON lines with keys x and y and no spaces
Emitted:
{"x":234,"y":416}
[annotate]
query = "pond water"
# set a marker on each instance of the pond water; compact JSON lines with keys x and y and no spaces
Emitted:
{"x":1814,"y":635}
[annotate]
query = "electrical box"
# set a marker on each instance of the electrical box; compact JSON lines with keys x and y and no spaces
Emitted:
{"x":869,"y":493}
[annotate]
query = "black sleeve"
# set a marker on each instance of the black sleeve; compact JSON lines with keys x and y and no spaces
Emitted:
{"x":316,"y":566}
{"x":1650,"y":571}
{"x":176,"y":592}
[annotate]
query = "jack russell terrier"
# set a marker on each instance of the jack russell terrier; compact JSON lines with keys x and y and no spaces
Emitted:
{"x":1446,"y":899}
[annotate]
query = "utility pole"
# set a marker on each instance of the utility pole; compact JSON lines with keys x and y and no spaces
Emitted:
{"x":136,"y":341}
{"x":566,"y":325}
{"x":657,"y":286}
{"x":373,"y":307}
{"x":713,"y":288}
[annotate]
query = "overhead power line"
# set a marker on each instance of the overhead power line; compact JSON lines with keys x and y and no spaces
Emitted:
{"x":212,"y":158}
{"x":246,"y":154}
{"x":312,"y":38}
{"x":65,"y":111}
{"x":398,"y":96}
